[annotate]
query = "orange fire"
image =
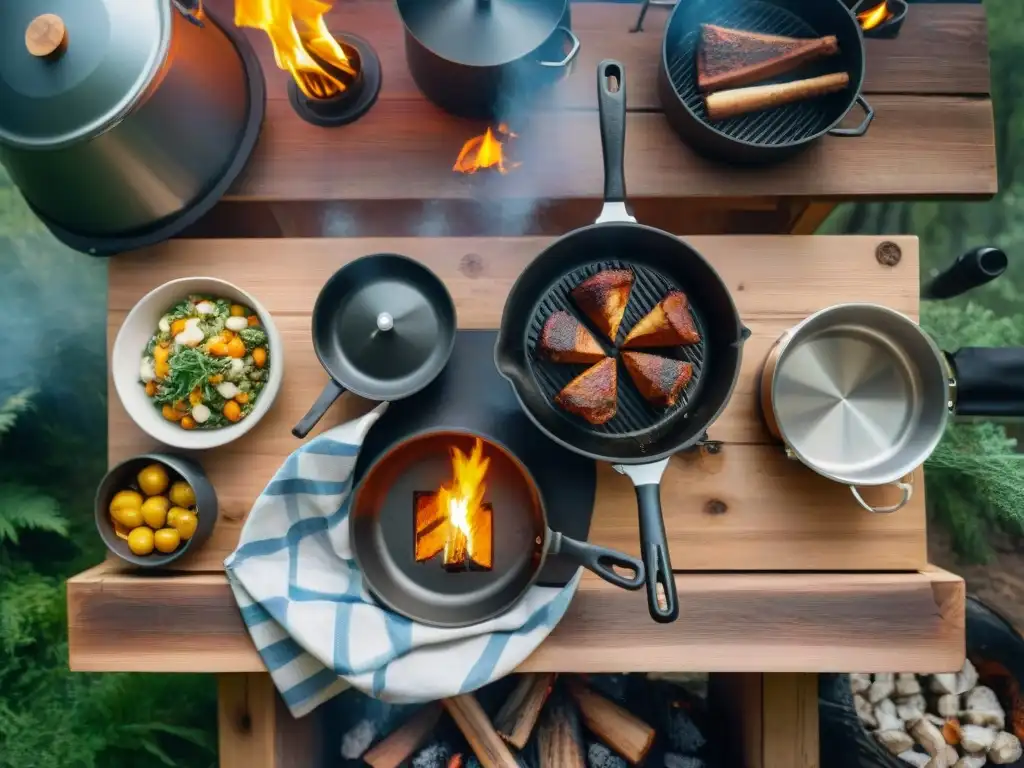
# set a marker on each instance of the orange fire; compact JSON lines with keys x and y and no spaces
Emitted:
{"x":301,"y":41}
{"x":455,"y":520}
{"x":486,"y":151}
{"x":872,"y":17}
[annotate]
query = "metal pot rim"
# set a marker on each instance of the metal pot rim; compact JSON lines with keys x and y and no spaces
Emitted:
{"x":784,"y":346}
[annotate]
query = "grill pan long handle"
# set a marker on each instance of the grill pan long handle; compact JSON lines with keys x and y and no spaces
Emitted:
{"x":332,"y":391}
{"x":611,"y":106}
{"x":662,"y":600}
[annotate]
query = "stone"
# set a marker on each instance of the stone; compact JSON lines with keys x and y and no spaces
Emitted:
{"x":911,"y":708}
{"x":951,"y":755}
{"x":971,"y":761}
{"x":682,"y":733}
{"x":673,"y":760}
{"x":599,"y":756}
{"x":966,"y":678}
{"x":888,"y":721}
{"x":944,"y":683}
{"x":435,"y":755}
{"x":975,"y":738}
{"x":982,"y":707}
{"x":1005,"y":750}
{"x":928,"y":736}
{"x":907,"y":684}
{"x":865,"y":711}
{"x":358,"y":739}
{"x":881,"y":689}
{"x":940,"y":760}
{"x":919,"y":759}
{"x":895,"y":741}
{"x":860,"y":682}
{"x":947,"y":705}
{"x":935,"y":719}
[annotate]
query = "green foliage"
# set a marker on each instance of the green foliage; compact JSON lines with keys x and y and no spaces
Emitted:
{"x":253,"y":337}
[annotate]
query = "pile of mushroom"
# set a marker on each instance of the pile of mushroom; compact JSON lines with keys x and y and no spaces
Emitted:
{"x":935,"y":721}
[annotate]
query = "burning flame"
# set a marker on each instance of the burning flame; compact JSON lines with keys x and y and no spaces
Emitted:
{"x":301,"y":41}
{"x":462,"y":498}
{"x":486,"y":151}
{"x":872,"y":17}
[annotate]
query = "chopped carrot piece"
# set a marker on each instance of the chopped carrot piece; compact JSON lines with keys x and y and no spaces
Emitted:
{"x":242,"y":398}
{"x":150,"y":388}
{"x":259,"y":356}
{"x":254,"y":320}
{"x":218,"y":349}
{"x":237,"y":310}
{"x":236,"y":348}
{"x":187,"y":422}
{"x":177,"y":326}
{"x":216,"y":379}
{"x":172,"y":414}
{"x":232,"y":411}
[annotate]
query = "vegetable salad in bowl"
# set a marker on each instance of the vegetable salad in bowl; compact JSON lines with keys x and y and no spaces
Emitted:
{"x":197,"y":363}
{"x":207,"y":364}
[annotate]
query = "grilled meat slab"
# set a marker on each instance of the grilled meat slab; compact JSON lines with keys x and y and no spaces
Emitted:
{"x":659,"y":379}
{"x":603,"y":298}
{"x":564,"y":339}
{"x":592,"y":394}
{"x":669,"y":324}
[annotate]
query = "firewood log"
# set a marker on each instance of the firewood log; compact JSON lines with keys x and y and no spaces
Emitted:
{"x":559,"y":736}
{"x":518,"y":716}
{"x":485,"y":742}
{"x":628,"y":735}
{"x":395,"y":748}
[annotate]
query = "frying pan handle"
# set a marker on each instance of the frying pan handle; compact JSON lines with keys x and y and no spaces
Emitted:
{"x":860,"y":130}
{"x":600,"y":560}
{"x":332,"y":391}
{"x":970,"y":270}
{"x":989,"y":381}
{"x":611,"y":105}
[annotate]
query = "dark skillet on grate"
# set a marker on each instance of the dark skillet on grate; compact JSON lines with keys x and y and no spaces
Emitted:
{"x":772,"y":134}
{"x":636,"y":417}
{"x":638,"y":448}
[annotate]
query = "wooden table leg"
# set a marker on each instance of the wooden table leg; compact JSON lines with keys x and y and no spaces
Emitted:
{"x":807,"y":217}
{"x":789,"y":721}
{"x":247,"y":718}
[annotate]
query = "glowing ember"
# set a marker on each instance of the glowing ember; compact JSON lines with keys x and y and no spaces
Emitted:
{"x":872,"y":17}
{"x":486,"y":151}
{"x":301,"y":41}
{"x":455,"y":520}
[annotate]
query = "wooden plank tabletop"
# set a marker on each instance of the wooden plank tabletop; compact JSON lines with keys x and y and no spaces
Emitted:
{"x":747,"y":508}
{"x":932,"y":135}
{"x":766,"y":622}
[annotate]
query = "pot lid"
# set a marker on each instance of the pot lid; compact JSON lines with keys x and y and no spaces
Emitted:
{"x":481,"y":32}
{"x":69,"y":69}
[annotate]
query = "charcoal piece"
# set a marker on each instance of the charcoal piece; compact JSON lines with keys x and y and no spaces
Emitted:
{"x":611,"y":686}
{"x":599,"y":756}
{"x":434,"y":755}
{"x":672,"y":760}
{"x":358,"y":739}
{"x":682,"y":733}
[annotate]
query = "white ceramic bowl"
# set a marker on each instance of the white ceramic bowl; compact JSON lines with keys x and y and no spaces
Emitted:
{"x":135,"y":333}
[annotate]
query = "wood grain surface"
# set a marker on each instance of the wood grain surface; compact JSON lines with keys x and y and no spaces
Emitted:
{"x":789,"y":721}
{"x":932,"y":135}
{"x":744,"y":508}
{"x":775,"y":622}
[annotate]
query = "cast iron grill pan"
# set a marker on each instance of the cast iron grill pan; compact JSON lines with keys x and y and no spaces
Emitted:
{"x":635,"y":417}
{"x":782,"y":125}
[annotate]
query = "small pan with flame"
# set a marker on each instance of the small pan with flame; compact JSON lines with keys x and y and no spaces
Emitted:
{"x":449,"y":530}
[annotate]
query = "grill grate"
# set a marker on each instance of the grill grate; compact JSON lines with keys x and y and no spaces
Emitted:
{"x":779,"y":126}
{"x":635,"y":416}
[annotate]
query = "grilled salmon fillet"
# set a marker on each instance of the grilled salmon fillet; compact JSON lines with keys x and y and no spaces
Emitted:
{"x":669,"y":324}
{"x":659,"y":379}
{"x":592,"y":394}
{"x":564,"y":339}
{"x":603,"y":298}
{"x":728,"y":58}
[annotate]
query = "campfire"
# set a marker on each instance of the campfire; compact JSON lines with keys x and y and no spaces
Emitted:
{"x":881,"y":19}
{"x":486,"y":151}
{"x":455,"y":520}
{"x":334,"y":78}
{"x":544,"y":720}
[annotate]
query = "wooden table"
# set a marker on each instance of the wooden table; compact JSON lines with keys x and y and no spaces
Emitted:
{"x":932,"y":137}
{"x":778,"y":570}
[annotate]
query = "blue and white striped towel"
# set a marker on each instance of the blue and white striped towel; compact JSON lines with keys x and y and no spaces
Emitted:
{"x":312,"y":620}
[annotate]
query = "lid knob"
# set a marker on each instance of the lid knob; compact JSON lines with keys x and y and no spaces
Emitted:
{"x":385,"y":322}
{"x":46,"y":37}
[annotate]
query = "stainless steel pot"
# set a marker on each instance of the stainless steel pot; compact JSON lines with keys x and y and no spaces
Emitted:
{"x":861,"y":395}
{"x":117,"y":116}
{"x":484,"y":58}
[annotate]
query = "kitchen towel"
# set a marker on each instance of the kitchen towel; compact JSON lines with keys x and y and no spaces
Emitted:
{"x":312,"y":620}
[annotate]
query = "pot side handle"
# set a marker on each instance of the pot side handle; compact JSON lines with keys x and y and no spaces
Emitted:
{"x":989,"y":381}
{"x":906,"y":488}
{"x":601,"y":560}
{"x":860,"y":130}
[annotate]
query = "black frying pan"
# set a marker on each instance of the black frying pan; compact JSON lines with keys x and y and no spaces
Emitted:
{"x":382,"y":531}
{"x":640,"y":439}
{"x":383,"y":328}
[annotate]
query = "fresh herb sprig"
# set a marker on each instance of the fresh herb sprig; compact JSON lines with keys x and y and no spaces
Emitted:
{"x":190,"y":368}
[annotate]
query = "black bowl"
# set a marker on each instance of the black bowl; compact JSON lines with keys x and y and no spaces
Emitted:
{"x":123,"y":476}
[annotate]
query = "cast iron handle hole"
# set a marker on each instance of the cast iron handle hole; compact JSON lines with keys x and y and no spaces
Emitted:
{"x":662,"y":598}
{"x":619,"y":569}
{"x":613,"y":76}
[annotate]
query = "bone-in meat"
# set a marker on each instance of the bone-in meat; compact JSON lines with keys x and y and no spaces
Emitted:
{"x":603,"y":298}
{"x":659,"y":379}
{"x":564,"y":339}
{"x":592,"y":394}
{"x":669,"y":324}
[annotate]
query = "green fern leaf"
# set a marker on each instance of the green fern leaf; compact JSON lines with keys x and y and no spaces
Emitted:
{"x":13,"y":407}
{"x":26,"y":509}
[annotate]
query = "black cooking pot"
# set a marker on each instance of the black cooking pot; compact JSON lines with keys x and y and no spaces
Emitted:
{"x":480,"y":58}
{"x":770,"y":135}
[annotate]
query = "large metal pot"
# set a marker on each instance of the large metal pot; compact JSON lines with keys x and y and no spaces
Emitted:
{"x":861,"y":395}
{"x":122,"y":121}
{"x":483,"y":58}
